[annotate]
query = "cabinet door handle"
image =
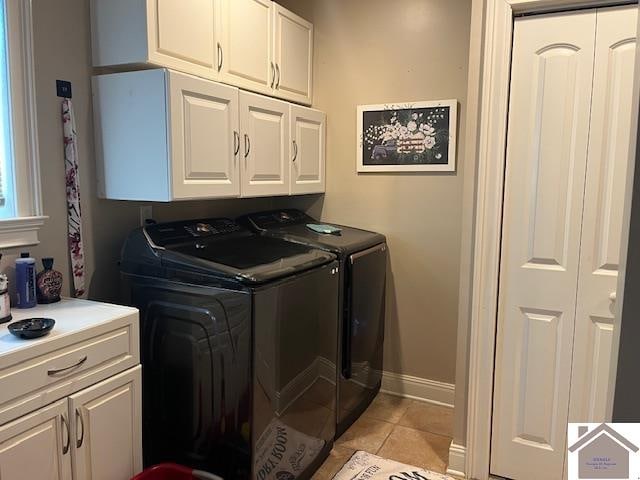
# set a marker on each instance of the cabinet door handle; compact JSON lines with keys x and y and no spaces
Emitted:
{"x":65,"y":424}
{"x":295,"y":151}
{"x":273,"y":75}
{"x":220,"y":56}
{"x":56,"y":371}
{"x":236,"y":143}
{"x":80,"y":419}
{"x":247,"y":145}
{"x":278,"y":72}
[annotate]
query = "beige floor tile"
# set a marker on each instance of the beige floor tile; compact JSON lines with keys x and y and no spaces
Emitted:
{"x":388,"y":408}
{"x":332,"y":465}
{"x":418,"y":448}
{"x":366,"y":434}
{"x":429,"y":418}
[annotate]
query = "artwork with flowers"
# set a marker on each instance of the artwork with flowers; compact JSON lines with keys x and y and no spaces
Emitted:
{"x":407,"y":137}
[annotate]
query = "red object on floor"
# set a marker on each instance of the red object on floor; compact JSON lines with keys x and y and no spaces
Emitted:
{"x":166,"y":471}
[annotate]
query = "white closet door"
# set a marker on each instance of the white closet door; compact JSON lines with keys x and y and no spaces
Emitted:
{"x":204,"y":138}
{"x":551,"y":82}
{"x":264,"y":123}
{"x":246,"y":44}
{"x":603,"y":204}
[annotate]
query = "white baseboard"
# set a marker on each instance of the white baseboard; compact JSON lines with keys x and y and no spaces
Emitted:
{"x":456,"y":460}
{"x":417,"y":388}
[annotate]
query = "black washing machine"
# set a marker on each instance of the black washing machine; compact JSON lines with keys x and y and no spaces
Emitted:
{"x":238,"y":341}
{"x":363,"y":265}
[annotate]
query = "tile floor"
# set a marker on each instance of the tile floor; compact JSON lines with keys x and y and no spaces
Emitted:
{"x":398,"y":429}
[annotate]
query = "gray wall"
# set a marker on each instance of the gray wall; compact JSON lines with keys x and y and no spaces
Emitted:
{"x":371,"y":51}
{"x":377,"y":51}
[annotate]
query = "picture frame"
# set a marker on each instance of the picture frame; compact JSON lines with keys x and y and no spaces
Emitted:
{"x":407,"y":137}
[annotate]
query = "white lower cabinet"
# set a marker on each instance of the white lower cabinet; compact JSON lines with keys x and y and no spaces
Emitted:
{"x":77,"y":412}
{"x":37,"y":446}
{"x":308,"y":132}
{"x":105,"y":427}
{"x":264,"y":123}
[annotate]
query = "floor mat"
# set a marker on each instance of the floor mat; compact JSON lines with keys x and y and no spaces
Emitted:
{"x":366,"y":466}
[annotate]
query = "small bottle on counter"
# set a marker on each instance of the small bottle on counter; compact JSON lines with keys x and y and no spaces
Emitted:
{"x":5,"y":302}
{"x":26,"y":281}
{"x":48,"y":282}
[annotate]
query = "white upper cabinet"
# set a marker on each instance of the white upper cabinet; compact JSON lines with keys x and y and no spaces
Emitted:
{"x":170,"y":33}
{"x":204,"y":138}
{"x":177,"y":132}
{"x":264,"y":123}
{"x":246,"y":44}
{"x":292,"y":55}
{"x":308,"y":133}
{"x":252,"y":44}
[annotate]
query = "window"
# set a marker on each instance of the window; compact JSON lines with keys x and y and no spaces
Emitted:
{"x":20,"y":203}
{"x":7,"y":205}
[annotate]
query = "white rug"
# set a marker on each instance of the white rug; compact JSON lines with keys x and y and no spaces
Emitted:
{"x":365,"y":466}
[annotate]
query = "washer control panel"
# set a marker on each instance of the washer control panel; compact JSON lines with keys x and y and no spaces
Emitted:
{"x":163,"y":234}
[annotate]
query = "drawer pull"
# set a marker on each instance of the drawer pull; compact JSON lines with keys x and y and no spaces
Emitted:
{"x":81,"y":421}
{"x":65,"y":424}
{"x":56,"y":371}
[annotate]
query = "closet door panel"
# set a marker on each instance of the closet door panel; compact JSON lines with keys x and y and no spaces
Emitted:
{"x":548,"y":127}
{"x":610,"y":131}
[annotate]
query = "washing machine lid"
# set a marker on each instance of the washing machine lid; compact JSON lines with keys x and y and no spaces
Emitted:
{"x":223,"y":247}
{"x":291,"y":225}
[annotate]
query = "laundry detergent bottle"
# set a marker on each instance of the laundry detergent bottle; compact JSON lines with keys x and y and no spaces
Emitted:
{"x":26,"y":281}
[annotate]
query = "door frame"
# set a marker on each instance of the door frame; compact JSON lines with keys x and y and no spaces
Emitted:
{"x":495,"y":69}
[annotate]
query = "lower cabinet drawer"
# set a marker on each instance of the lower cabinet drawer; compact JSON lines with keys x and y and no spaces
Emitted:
{"x":45,"y":378}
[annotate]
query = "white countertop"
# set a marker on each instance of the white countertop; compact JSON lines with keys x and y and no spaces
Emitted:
{"x":71,"y":316}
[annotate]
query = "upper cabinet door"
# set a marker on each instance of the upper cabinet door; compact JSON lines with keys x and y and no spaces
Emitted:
{"x":107,"y":428}
{"x":293,"y":56}
{"x":308,"y":132}
{"x":245,"y":44}
{"x":264,"y":123}
{"x":182,"y":35}
{"x":205,"y":141}
{"x":37,"y":446}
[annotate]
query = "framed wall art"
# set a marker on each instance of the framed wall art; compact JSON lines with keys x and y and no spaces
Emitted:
{"x":407,"y":137}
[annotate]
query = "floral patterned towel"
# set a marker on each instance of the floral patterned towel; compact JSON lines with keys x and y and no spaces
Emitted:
{"x":74,"y":215}
{"x":365,"y":466}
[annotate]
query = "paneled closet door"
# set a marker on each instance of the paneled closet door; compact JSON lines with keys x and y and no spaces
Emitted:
{"x":205,"y":141}
{"x":264,"y":124}
{"x":603,"y":205}
{"x":551,"y":83}
{"x":246,"y":44}
{"x":182,"y":35}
